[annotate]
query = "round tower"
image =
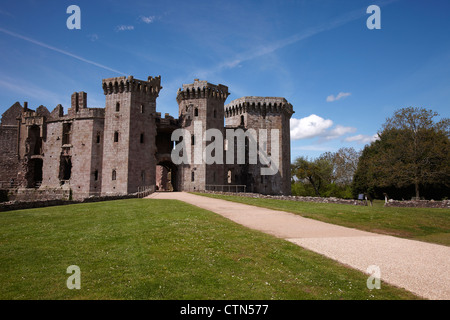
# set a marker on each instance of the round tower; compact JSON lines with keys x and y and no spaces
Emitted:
{"x":269,"y":113}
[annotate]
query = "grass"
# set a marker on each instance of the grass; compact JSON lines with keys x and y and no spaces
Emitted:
{"x":424,"y":224}
{"x":161,"y":249}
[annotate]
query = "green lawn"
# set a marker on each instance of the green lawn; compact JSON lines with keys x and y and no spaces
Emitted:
{"x":424,"y":224}
{"x":161,"y":249}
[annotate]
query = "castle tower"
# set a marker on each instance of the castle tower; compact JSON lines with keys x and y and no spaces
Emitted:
{"x":263,"y":113}
{"x":202,"y":104}
{"x":129,"y":134}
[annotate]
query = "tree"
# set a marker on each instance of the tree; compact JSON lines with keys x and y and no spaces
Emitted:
{"x":330,"y":174}
{"x":345,"y":163}
{"x":317,"y":172}
{"x":413,"y":150}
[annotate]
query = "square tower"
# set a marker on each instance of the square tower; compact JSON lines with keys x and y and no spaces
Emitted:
{"x":201,"y":103}
{"x":129,"y":134}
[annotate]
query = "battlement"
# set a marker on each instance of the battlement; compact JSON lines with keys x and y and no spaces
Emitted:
{"x":263,"y":105}
{"x":123,"y":84}
{"x":202,"y":89}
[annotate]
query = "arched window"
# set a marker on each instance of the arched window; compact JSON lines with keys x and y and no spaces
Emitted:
{"x":193,"y":140}
{"x":142,"y":138}
{"x":117,"y":106}
{"x":114,"y":175}
{"x":196,"y":112}
{"x":116,"y":136}
{"x":242,"y":121}
{"x":142,"y":108}
{"x":96,"y":175}
{"x":192,"y":176}
{"x":215,"y":113}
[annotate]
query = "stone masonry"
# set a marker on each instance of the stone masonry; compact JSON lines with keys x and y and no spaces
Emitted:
{"x":126,"y":146}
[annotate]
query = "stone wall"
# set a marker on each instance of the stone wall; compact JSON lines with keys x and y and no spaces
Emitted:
{"x":9,"y":161}
{"x":445,"y":204}
{"x":21,"y":205}
{"x":293,"y":198}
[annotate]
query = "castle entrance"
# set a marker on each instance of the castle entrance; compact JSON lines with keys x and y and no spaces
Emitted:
{"x":166,"y":170}
{"x":166,"y":176}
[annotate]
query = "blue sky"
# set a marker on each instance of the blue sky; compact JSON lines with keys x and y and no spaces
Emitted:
{"x":342,"y":78}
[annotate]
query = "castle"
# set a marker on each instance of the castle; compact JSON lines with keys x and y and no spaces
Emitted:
{"x":127,"y":146}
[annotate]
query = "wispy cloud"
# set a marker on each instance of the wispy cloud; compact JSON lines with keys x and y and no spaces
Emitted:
{"x":44,"y":45}
{"x":362,"y":139}
{"x":148,"y":19}
{"x":271,"y":47}
{"x":93,"y":37}
{"x":124,"y":28}
{"x":30,"y":91}
{"x":340,"y":96}
{"x":6,"y":13}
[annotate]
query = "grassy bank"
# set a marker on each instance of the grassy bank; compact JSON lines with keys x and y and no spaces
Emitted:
{"x":160,"y":249}
{"x":424,"y":224}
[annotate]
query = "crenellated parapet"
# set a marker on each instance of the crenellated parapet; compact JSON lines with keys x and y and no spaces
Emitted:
{"x":123,"y":84}
{"x":262,"y":105}
{"x":202,"y":89}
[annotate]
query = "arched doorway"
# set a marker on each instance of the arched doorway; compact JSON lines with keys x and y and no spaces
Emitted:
{"x":166,"y":176}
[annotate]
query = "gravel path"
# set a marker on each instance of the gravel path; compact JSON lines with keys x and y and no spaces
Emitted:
{"x":420,"y":267}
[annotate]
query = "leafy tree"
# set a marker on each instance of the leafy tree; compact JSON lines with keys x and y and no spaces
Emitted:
{"x":413,"y":150}
{"x":329,"y":175}
{"x":316,"y":172}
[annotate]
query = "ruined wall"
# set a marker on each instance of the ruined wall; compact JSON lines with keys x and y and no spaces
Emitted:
{"x":9,"y":157}
{"x":9,"y":163}
{"x":77,"y":137}
{"x":52,"y":155}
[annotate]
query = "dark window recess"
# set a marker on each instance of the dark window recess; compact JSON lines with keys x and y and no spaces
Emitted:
{"x":114,"y":175}
{"x":116,"y":136}
{"x":67,"y":131}
{"x":117,"y":106}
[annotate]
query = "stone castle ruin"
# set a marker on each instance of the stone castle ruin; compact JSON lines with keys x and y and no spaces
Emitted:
{"x":126,"y":146}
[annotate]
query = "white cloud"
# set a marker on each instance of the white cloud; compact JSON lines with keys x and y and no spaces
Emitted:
{"x":314,"y":126}
{"x":148,"y":19}
{"x":340,"y":96}
{"x":309,"y":127}
{"x":361,"y":138}
{"x":124,"y":28}
{"x":339,"y":131}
